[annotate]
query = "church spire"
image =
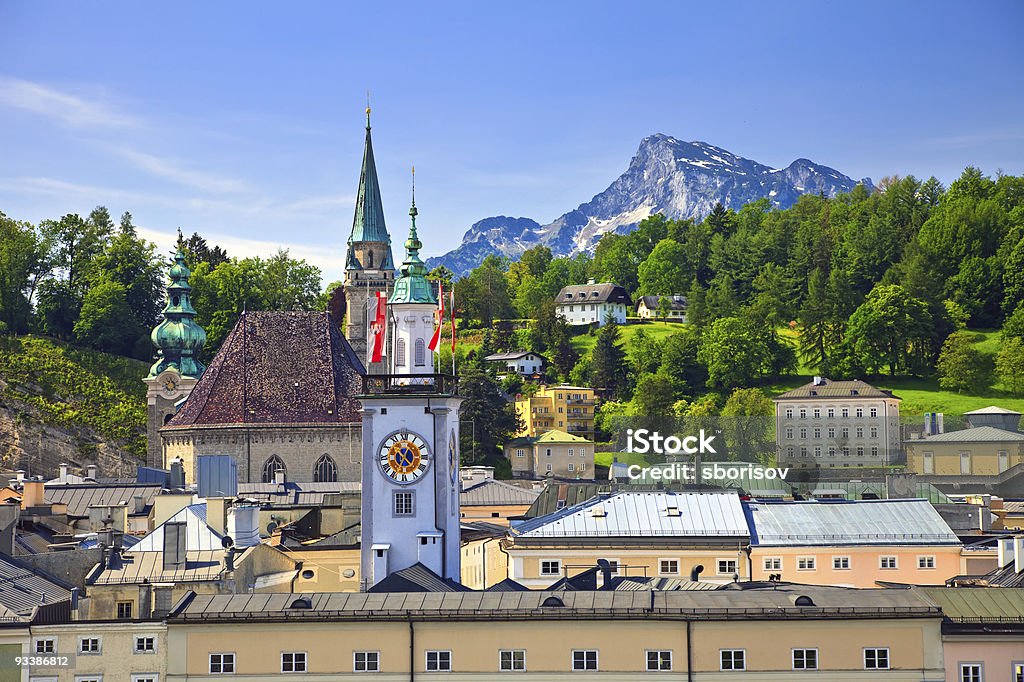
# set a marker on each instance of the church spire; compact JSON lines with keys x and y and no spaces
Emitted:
{"x":178,"y":339}
{"x":368,"y":224}
{"x":412,"y":286}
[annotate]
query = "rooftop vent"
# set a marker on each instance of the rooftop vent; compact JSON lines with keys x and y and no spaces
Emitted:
{"x":302,"y":603}
{"x":552,"y":601}
{"x":802,"y":600}
{"x":673,"y":510}
{"x":599,"y":512}
{"x":819,"y":381}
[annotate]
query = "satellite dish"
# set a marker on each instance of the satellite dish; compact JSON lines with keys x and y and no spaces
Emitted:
{"x":271,"y":527}
{"x":227,"y":541}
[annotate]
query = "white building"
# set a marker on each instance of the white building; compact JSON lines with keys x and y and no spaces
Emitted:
{"x":524,"y":363}
{"x":649,"y":308}
{"x":590,"y":303}
{"x":837,"y":424}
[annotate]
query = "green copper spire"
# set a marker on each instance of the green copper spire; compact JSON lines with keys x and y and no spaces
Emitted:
{"x":412,"y":286}
{"x":368,"y":223}
{"x":178,"y":339}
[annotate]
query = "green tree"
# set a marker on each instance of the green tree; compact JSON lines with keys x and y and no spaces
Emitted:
{"x":198,"y":251}
{"x":1014,"y":326}
{"x":443,"y":275}
{"x":748,"y":423}
{"x":679,"y":362}
{"x":23,"y":259}
{"x":1010,"y":363}
{"x":733,"y":353}
{"x":608,"y":360}
{"x":486,"y":419}
{"x":484,"y":293}
{"x":816,"y":333}
{"x":696,"y":305}
{"x":664,"y":308}
{"x":665,"y":271}
{"x":107,"y":321}
{"x":888,"y":327}
{"x":653,"y":397}
{"x":962,"y":367}
{"x":644,"y":353}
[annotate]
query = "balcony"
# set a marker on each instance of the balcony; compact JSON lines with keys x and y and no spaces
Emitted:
{"x":584,"y":401}
{"x":405,"y":384}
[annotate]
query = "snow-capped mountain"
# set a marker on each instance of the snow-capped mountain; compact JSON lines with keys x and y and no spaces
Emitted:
{"x":679,"y":179}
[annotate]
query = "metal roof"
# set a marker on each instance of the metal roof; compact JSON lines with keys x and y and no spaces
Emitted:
{"x":761,"y":603}
{"x":835,"y":389}
{"x":593,"y":293}
{"x":22,"y":589}
{"x":79,"y":497}
{"x":293,"y":493}
{"x":491,"y":492}
{"x":135,"y":567}
{"x":515,"y":355}
{"x":841,"y":522}
{"x":991,"y":604}
{"x":992,"y":409}
{"x":676,"y":302}
{"x":979,"y":434}
{"x":644,"y":514}
{"x":198,"y":535}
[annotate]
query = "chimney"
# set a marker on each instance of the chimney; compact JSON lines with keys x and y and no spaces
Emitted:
{"x":32,"y":494}
{"x":217,"y":514}
{"x":695,"y":572}
{"x":177,"y":475}
{"x":1004,"y":552}
{"x":606,"y":571}
{"x":92,"y":471}
{"x":145,"y":600}
{"x":229,"y":559}
{"x":140,"y":504}
{"x":63,"y":471}
{"x":1018,"y":554}
{"x":280,"y":477}
{"x":19,"y":475}
{"x":243,"y":525}
{"x":174,"y":546}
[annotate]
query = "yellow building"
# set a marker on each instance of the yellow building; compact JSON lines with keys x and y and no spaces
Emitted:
{"x":741,"y":634}
{"x":484,"y":561}
{"x":568,"y":408}
{"x":979,"y":451}
{"x":554,"y":453}
{"x":129,"y":651}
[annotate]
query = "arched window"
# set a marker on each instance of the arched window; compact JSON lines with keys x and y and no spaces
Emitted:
{"x":400,"y":353}
{"x":421,"y":353}
{"x":325,"y":470}
{"x":370,"y":257}
{"x":270,"y":467}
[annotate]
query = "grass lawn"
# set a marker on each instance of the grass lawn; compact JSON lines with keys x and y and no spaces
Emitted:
{"x":655,"y":330}
{"x":605,"y":458}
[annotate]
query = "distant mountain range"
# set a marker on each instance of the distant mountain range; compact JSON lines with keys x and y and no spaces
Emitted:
{"x":669,"y":176}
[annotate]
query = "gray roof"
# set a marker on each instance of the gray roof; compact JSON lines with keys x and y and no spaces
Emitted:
{"x":604,"y":292}
{"x":80,"y":497}
{"x":198,"y":535}
{"x":295,"y":494}
{"x":644,"y":514}
{"x":755,"y":604}
{"x":134,"y":568}
{"x":22,"y":589}
{"x":678,"y":302}
{"x":491,"y":492}
{"x":834,"y":389}
{"x":872,"y":522}
{"x":979,"y":434}
{"x":992,"y":409}
{"x":512,"y":356}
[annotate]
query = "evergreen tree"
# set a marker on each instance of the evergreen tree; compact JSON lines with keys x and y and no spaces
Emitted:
{"x":608,"y":360}
{"x":1010,"y":363}
{"x":491,"y":420}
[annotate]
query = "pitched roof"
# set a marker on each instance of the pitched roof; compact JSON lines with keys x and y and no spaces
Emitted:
{"x":676,"y":302}
{"x":23,"y":588}
{"x":979,"y":434}
{"x":604,"y":292}
{"x":198,"y":535}
{"x":278,"y":368}
{"x":835,"y":389}
{"x":491,"y":492}
{"x":135,"y":567}
{"x":556,"y":436}
{"x":368,"y":222}
{"x":646,"y":514}
{"x":978,"y":604}
{"x":515,"y":355}
{"x":872,"y":522}
{"x":417,"y":578}
{"x":294,"y":493}
{"x":79,"y":498}
{"x":992,"y":409}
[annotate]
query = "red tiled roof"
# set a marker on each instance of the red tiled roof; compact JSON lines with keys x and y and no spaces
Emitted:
{"x":278,"y":368}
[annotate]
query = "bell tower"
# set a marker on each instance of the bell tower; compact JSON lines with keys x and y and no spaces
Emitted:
{"x":410,"y":502}
{"x":179,"y":341}
{"x":369,"y":265}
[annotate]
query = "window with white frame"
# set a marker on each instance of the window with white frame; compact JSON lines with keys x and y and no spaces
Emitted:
{"x":726,"y":566}
{"x":668,"y":567}
{"x":551,"y":567}
{"x":145,"y":677}
{"x":222,"y":663}
{"x":45,"y":645}
{"x":887,"y":562}
{"x":805,"y":659}
{"x":510,"y":660}
{"x":366,"y":661}
{"x":145,"y":644}
{"x":293,"y":661}
{"x":89,"y":645}
{"x":1018,"y":672}
{"x":572,"y":467}
{"x":659,"y":660}
{"x":88,"y":678}
{"x":404,"y":505}
{"x":971,"y":672}
{"x":926,"y":562}
{"x":806,"y":563}
{"x":841,"y":563}
{"x":876,"y":659}
{"x":584,"y":659}
{"x":520,"y":453}
{"x":613,"y":565}
{"x":772,"y":563}
{"x":733,"y":659}
{"x":439,"y":661}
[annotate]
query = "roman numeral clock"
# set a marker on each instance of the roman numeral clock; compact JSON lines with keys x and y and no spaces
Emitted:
{"x":404,"y":457}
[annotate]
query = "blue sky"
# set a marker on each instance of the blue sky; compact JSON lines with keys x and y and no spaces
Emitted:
{"x":243,"y":121}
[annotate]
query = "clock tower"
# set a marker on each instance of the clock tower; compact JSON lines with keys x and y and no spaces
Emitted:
{"x":410,"y":507}
{"x":179,"y":341}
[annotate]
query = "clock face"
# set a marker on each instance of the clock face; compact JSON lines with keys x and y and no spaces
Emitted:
{"x":170,"y":384}
{"x":453,"y":459}
{"x":403,"y":457}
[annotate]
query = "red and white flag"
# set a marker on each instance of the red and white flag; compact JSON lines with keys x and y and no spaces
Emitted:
{"x":377,"y":328}
{"x":435,"y":340}
{"x":451,"y":306}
